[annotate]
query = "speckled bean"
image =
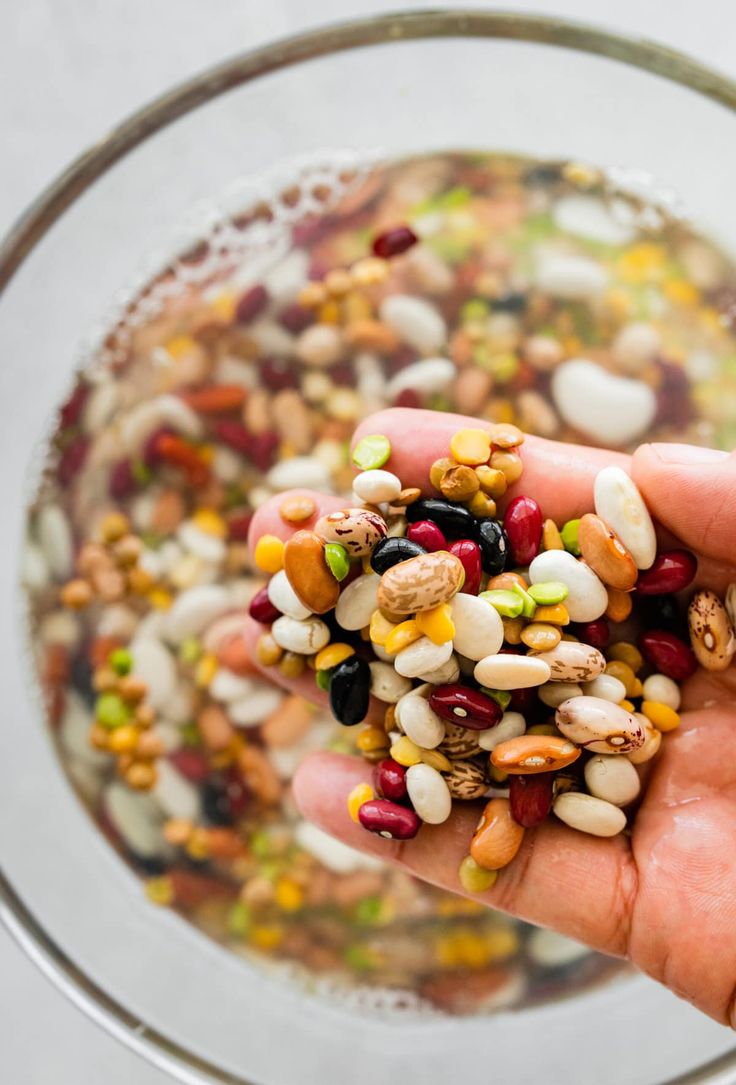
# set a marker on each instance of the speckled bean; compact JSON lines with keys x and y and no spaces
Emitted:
{"x":599,"y":725}
{"x":571,"y":661}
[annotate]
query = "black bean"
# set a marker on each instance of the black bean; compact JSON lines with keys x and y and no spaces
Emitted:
{"x":454,"y":521}
{"x":216,"y":805}
{"x":349,"y":691}
{"x":494,"y":546}
{"x":390,"y":552}
{"x":662,"y":612}
{"x":513,"y":302}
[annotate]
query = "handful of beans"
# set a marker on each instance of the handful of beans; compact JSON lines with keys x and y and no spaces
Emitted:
{"x":530,"y":664}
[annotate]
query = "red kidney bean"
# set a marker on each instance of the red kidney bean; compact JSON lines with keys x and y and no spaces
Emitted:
{"x":531,"y":797}
{"x":427,"y":535}
{"x":234,"y":435}
{"x":151,"y":454}
{"x":72,"y":460}
{"x":672,"y":571}
{"x":122,"y":482}
{"x":389,"y":779}
{"x":394,"y":241}
{"x":251,"y":304}
{"x":469,"y":554}
{"x":523,"y":526}
{"x":295,"y":318}
{"x":669,"y":654}
{"x":389,"y":819}
{"x":595,"y":633}
{"x":466,"y":707}
{"x":71,"y":411}
{"x":263,"y":450}
{"x":190,"y":763}
{"x":278,"y":374}
{"x":261,"y":608}
{"x":408,"y":397}
{"x":238,"y":526}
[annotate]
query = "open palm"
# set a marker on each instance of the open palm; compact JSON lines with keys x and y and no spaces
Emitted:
{"x":665,"y":894}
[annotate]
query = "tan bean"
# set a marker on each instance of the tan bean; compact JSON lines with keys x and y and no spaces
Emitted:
{"x":308,"y":572}
{"x":606,"y":554}
{"x":572,"y":661}
{"x":532,"y":753}
{"x":466,"y":780}
{"x":421,"y":583}
{"x":497,"y":838}
{"x":711,"y":633}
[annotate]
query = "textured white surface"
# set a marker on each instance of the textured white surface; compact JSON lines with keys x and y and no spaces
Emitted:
{"x":68,"y":72}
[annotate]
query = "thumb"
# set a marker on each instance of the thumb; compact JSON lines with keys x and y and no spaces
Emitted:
{"x":690,"y":491}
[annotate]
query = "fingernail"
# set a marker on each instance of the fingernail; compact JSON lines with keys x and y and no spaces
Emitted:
{"x":688,"y":455}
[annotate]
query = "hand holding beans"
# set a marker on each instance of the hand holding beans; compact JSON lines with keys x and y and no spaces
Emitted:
{"x":665,"y":892}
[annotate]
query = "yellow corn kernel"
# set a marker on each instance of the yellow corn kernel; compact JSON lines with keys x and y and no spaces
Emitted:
{"x":501,"y":943}
{"x":223,"y":307}
{"x":661,"y":715}
{"x":289,"y":895}
{"x":681,"y":292}
{"x":160,"y":599}
{"x":266,"y":935}
{"x":624,"y":673}
{"x":329,"y":312}
{"x":447,"y":952}
{"x":269,"y":554}
{"x":205,"y":670}
{"x":401,"y":636}
{"x":361,"y":793}
{"x":160,"y":890}
{"x":436,"y":760}
{"x":471,"y":447}
{"x":211,"y":522}
{"x":628,"y":706}
{"x":123,"y":739}
{"x":370,"y":271}
{"x":406,"y":752}
{"x":637,"y":688}
{"x":312,"y":295}
{"x":552,"y":615}
{"x":181,"y":345}
{"x":332,"y":655}
{"x":372,"y":738}
{"x":380,"y":628}
{"x":365,"y":564}
{"x":437,"y":623}
{"x":626,"y":652}
{"x":551,"y":538}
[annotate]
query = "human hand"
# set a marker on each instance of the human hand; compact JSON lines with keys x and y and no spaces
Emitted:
{"x":664,"y":894}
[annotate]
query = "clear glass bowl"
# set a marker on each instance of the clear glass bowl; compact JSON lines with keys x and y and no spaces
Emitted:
{"x":398,"y":84}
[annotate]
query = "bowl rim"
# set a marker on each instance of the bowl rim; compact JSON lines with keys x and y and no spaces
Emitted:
{"x":83,"y":171}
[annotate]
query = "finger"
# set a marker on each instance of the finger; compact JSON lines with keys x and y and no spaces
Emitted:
{"x":559,"y":476}
{"x":268,"y":520}
{"x":579,"y":885}
{"x":690,"y":491}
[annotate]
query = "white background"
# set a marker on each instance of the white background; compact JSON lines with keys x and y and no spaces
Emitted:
{"x":68,"y":72}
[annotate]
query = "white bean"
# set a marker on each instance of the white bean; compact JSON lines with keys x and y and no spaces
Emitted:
{"x":284,"y":598}
{"x":357,"y":602}
{"x":511,"y":672}
{"x":419,"y":721}
{"x":619,"y":503}
{"x":414,"y":320}
{"x":422,"y":657}
{"x":478,"y":627}
{"x":306,"y":637}
{"x":587,"y":597}
{"x":660,"y":688}
{"x":607,"y":687}
{"x":429,"y":794}
{"x":154,"y":664}
{"x":588,"y":814}
{"x":386,"y":684}
{"x":612,"y":778}
{"x":512,"y":725}
{"x":55,"y":538}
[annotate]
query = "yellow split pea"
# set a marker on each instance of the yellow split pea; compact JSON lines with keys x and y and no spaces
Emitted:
{"x":269,"y":554}
{"x":471,"y":447}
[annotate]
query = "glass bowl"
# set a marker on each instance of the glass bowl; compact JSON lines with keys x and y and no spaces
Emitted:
{"x":397,"y":84}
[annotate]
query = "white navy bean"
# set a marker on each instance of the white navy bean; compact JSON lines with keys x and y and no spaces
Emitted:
{"x":357,"y":602}
{"x":306,"y":637}
{"x":609,"y":409}
{"x":612,"y":778}
{"x":284,"y":598}
{"x":619,"y":503}
{"x":422,"y":657}
{"x":377,"y":486}
{"x":512,"y":725}
{"x":386,"y":684}
{"x":252,"y":710}
{"x":607,"y":687}
{"x":511,"y":672}
{"x":660,"y":688}
{"x":587,"y":597}
{"x":588,"y":814}
{"x":55,"y":539}
{"x":416,"y":321}
{"x":478,"y":627}
{"x":419,"y":721}
{"x":429,"y":794}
